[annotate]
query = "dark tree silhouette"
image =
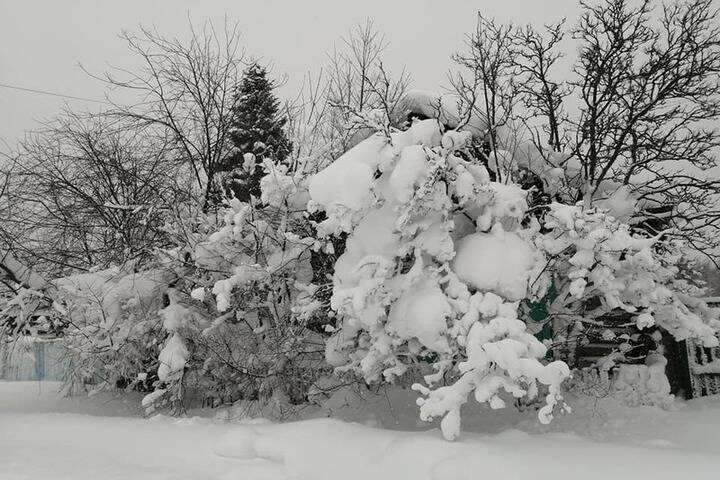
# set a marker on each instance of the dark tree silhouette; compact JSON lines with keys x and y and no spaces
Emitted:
{"x":257,"y":128}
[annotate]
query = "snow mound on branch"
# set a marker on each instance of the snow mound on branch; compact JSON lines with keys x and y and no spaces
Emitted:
{"x":421,"y":313}
{"x":348,"y":186}
{"x":374,"y":239}
{"x":175,"y":316}
{"x":276,"y":187}
{"x":172,"y":359}
{"x":498,"y":261}
{"x":89,"y":281}
{"x":347,"y":181}
{"x":620,"y":204}
{"x":424,"y":132}
{"x":198,"y":294}
{"x":410,"y":171}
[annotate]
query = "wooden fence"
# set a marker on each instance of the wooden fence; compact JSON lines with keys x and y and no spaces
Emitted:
{"x":704,"y":367}
{"x":704,"y":364}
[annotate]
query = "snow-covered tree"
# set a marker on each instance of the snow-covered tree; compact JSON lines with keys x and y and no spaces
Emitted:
{"x":258,"y":128}
{"x":435,"y":264}
{"x":440,"y":263}
{"x":644,"y":90}
{"x":107,"y":321}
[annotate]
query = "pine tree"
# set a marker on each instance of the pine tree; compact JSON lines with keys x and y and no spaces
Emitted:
{"x":257,"y":128}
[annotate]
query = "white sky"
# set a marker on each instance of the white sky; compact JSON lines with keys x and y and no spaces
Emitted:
{"x":41,"y":42}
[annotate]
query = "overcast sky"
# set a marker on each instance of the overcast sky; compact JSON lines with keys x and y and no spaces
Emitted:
{"x":41,"y":42}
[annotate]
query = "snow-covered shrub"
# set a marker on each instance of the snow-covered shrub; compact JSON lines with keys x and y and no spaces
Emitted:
{"x":107,"y":323}
{"x":27,"y":311}
{"x":231,"y":314}
{"x":236,"y":323}
{"x":599,"y":267}
{"x":114,"y":335}
{"x":435,"y":264}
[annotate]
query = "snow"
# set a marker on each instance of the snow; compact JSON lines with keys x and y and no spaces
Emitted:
{"x":421,"y":312}
{"x":620,"y":204}
{"x":347,"y":180}
{"x":174,"y":316}
{"x":643,"y":384}
{"x":410,"y":171}
{"x":276,"y":186}
{"x":20,"y":272}
{"x":707,"y":368}
{"x":375,"y":238}
{"x":149,"y":399}
{"x":43,"y":436}
{"x":499,"y":262}
{"x":198,"y":294}
{"x":108,"y":293}
{"x":172,"y":358}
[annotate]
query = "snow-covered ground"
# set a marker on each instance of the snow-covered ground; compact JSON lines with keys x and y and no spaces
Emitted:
{"x":43,"y":436}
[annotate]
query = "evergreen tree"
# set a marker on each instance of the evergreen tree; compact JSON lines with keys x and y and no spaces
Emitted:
{"x":257,"y":128}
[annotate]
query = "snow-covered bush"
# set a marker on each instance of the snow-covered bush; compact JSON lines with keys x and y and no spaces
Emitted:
{"x":435,"y":264}
{"x":599,"y":267}
{"x":107,"y":323}
{"x":441,"y":262}
{"x":26,"y":312}
{"x":228,"y":315}
{"x":236,"y":323}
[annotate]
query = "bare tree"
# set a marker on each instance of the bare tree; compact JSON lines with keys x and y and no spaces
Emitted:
{"x":650,"y":92}
{"x":486,"y":82}
{"x":542,"y":96}
{"x":647,"y":91}
{"x":13,"y":272}
{"x":186,"y":92}
{"x":357,"y":81}
{"x":91,"y":191}
{"x":325,"y":119}
{"x":307,"y":116}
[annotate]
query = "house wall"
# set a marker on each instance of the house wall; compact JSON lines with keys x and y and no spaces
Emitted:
{"x":32,"y":359}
